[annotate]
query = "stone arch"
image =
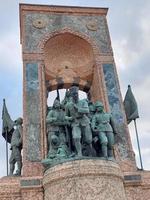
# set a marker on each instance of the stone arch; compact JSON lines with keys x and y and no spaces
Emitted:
{"x":49,"y":35}
{"x":55,"y":77}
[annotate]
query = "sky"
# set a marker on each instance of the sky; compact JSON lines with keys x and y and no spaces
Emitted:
{"x":129,"y":26}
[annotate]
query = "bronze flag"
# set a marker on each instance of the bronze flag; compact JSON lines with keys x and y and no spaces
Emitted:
{"x":7,"y":123}
{"x":130,"y":106}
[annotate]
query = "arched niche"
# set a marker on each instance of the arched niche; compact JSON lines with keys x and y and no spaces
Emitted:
{"x":69,"y":60}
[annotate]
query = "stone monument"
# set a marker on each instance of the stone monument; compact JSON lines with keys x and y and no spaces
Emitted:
{"x":65,"y":47}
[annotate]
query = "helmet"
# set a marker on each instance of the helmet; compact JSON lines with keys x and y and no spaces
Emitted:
{"x":99,"y":104}
{"x":56,"y":103}
{"x":55,"y":140}
{"x":19,"y":121}
{"x":73,"y":90}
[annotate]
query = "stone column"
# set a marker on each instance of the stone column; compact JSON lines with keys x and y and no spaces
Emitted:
{"x":126,"y":156}
{"x":84,"y":179}
{"x":32,"y":150}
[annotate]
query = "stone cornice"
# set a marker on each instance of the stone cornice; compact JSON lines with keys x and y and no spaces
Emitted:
{"x":64,"y":9}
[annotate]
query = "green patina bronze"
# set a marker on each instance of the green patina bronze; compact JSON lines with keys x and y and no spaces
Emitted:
{"x":16,"y":146}
{"x":104,"y":127}
{"x":56,"y":130}
{"x":77,"y":113}
{"x":78,"y":129}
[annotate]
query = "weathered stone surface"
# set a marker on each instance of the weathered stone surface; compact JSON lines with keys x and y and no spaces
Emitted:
{"x":58,"y":22}
{"x":84,"y":179}
{"x":92,"y":179}
{"x":31,"y":73}
{"x":116,"y":109}
{"x":113,"y":92}
{"x":32,"y":112}
{"x":10,"y":188}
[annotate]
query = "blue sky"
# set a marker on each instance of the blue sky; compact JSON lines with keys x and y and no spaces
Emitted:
{"x":129,"y":29}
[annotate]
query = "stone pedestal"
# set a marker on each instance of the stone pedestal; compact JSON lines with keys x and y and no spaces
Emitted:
{"x":10,"y":188}
{"x":84,"y":179}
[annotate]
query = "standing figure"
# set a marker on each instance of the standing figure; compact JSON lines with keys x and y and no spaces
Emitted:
{"x":65,"y":100}
{"x":56,"y":131}
{"x":16,"y":146}
{"x":76,"y":113}
{"x":91,"y":106}
{"x":91,"y":109}
{"x":103,"y":125}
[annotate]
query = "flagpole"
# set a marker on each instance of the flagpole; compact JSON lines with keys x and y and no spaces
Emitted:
{"x":7,"y":151}
{"x":138,"y":143}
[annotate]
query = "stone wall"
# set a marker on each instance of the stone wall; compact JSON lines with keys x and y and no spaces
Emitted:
{"x":80,"y":179}
{"x":137,"y":185}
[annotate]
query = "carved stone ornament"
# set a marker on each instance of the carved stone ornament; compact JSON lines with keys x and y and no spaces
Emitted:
{"x":39,"y":23}
{"x":92,"y":25}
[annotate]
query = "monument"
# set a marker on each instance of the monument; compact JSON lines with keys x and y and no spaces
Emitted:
{"x":78,"y":149}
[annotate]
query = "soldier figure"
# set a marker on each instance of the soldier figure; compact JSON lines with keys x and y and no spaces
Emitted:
{"x":55,"y":127}
{"x":65,"y":100}
{"x":103,"y":125}
{"x":76,"y":113}
{"x":91,"y":109}
{"x":16,"y":146}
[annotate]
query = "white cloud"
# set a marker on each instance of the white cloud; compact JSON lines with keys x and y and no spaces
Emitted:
{"x":10,"y":52}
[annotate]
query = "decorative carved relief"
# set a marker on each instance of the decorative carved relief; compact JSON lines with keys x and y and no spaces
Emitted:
{"x":92,"y":26}
{"x":39,"y":23}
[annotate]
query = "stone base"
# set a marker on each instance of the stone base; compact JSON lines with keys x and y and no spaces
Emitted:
{"x":84,"y":179}
{"x":21,"y":188}
{"x":80,"y":179}
{"x":10,"y":188}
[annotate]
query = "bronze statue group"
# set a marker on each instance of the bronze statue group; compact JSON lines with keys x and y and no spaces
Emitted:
{"x":75,"y":129}
{"x":78,"y":129}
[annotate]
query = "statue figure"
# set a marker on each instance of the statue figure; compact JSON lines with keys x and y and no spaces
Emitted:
{"x":76,"y":113}
{"x":103,"y":125}
{"x":16,"y":146}
{"x":56,"y":131}
{"x":65,"y":100}
{"x":95,"y":140}
{"x":91,"y":109}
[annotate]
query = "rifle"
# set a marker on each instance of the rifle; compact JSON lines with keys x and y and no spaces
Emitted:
{"x":68,"y":139}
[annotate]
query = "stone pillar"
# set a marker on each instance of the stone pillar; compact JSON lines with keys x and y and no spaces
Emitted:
{"x":84,"y":179}
{"x":32,"y":151}
{"x":126,"y":156}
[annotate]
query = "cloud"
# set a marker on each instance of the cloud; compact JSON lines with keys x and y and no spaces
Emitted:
{"x":10,"y":53}
{"x":131,"y":48}
{"x":9,"y":16}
